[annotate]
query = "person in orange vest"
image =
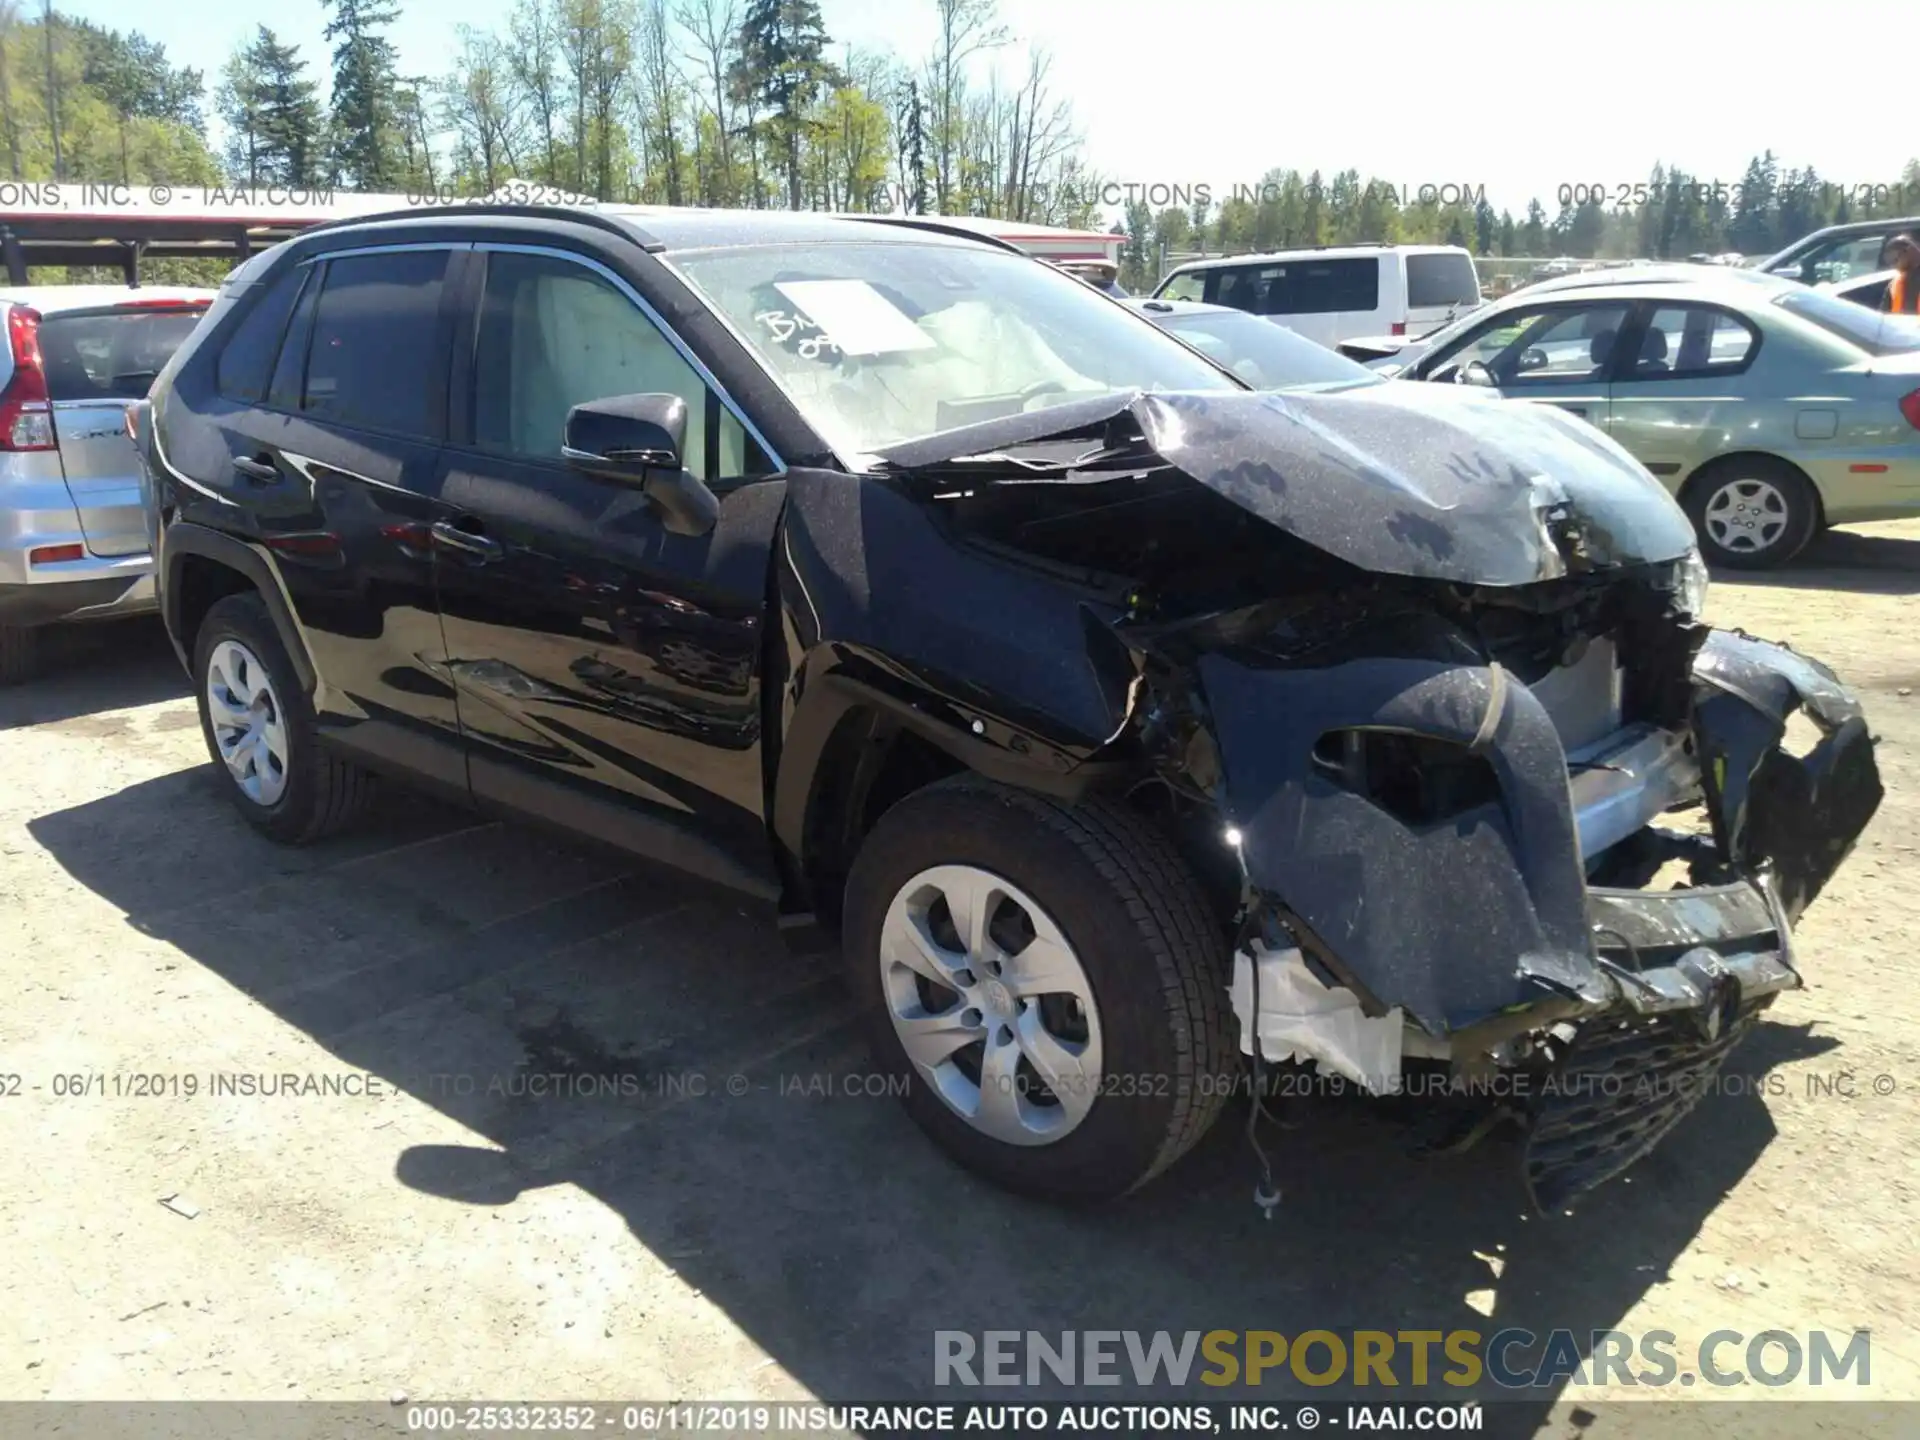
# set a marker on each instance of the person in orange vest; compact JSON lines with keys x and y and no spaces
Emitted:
{"x":1903,"y":291}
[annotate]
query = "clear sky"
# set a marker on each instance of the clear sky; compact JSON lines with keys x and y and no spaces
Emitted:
{"x":1518,"y":96}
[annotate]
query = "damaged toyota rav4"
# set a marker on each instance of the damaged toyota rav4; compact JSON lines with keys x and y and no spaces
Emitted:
{"x":1119,"y":720}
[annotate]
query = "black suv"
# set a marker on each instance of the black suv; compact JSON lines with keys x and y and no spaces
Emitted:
{"x":1107,"y":710}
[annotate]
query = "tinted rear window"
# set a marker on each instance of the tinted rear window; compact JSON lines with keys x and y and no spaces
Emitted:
{"x":375,"y":341}
{"x":111,"y":356}
{"x":1441,"y":280}
{"x":247,"y":360}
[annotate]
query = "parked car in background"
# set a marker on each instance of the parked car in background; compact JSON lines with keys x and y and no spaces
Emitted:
{"x":1265,"y":355}
{"x":1771,"y":409}
{"x":1839,"y":252}
{"x":1402,"y":350}
{"x":73,"y":539}
{"x":1332,"y":293}
{"x":1868,"y":290}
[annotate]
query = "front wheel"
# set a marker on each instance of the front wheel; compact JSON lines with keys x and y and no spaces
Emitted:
{"x":1046,"y":982}
{"x":1752,"y":513}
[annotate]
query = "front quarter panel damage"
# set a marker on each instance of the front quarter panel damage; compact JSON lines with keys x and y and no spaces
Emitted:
{"x":1450,"y":920}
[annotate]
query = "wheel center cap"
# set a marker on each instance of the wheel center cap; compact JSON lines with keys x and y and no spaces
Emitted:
{"x":999,"y":999}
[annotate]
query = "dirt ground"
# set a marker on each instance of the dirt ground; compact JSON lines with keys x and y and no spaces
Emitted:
{"x":734,"y":1223}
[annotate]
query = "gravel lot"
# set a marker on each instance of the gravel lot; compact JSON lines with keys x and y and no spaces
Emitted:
{"x":734,"y":1223}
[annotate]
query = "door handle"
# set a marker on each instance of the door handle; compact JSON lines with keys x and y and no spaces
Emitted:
{"x":256,"y":470}
{"x":452,"y":537}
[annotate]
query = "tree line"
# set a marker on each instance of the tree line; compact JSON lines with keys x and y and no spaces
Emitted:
{"x":753,"y":103}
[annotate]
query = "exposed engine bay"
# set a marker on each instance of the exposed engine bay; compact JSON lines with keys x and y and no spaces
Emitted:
{"x":1434,"y":718}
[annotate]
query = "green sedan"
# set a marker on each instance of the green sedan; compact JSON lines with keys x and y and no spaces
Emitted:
{"x":1770,"y":409}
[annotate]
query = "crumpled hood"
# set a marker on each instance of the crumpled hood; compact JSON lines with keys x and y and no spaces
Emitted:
{"x":1409,"y":479}
{"x":1396,"y":478}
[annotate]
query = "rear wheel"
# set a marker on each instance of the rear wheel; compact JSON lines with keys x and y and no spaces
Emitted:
{"x":1751,"y":512}
{"x":1046,"y":982}
{"x":19,"y":654}
{"x":260,"y":730}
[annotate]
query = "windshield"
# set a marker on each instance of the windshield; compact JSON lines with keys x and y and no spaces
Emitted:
{"x":1265,"y":355}
{"x":882,"y":343}
{"x":1871,"y":331}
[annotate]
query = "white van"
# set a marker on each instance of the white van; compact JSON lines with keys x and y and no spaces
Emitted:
{"x":1338,"y":293}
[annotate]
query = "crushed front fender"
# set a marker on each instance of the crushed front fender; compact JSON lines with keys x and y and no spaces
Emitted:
{"x":1481,"y":922}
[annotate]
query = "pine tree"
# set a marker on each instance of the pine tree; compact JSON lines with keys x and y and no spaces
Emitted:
{"x":916,"y":125}
{"x":290,"y":118}
{"x":365,"y":128}
{"x":783,"y":65}
{"x":272,"y":114}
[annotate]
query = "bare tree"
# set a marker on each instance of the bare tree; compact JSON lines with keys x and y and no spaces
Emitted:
{"x":479,"y":103}
{"x":534,"y":60}
{"x":715,"y":28}
{"x":660,"y":95}
{"x":967,"y":28}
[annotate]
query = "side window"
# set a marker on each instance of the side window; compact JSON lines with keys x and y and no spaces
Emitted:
{"x":1680,"y":341}
{"x":246,"y":362}
{"x":1324,"y":287}
{"x":1558,"y":346}
{"x":1243,"y":287}
{"x":375,"y":342}
{"x":1188,"y":285}
{"x":553,"y":335}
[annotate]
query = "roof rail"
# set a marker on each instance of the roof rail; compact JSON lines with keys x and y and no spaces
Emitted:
{"x":937,"y":225}
{"x":578,"y":215}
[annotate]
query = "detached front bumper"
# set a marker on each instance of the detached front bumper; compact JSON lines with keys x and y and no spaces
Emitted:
{"x":1482,"y":927}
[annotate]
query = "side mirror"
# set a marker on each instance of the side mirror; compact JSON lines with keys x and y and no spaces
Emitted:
{"x":640,"y":439}
{"x":1475,"y":372}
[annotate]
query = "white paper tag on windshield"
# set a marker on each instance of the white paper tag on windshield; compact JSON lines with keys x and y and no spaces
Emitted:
{"x":855,"y":316}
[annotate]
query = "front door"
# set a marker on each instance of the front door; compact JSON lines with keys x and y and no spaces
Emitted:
{"x":1676,"y":402}
{"x":608,"y":670}
{"x":1558,"y":355}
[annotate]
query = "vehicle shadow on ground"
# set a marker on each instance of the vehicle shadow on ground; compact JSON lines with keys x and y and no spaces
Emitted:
{"x":1844,"y":560}
{"x":732,"y":1127}
{"x":88,"y":668}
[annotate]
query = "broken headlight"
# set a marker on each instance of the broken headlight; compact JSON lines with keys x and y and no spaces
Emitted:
{"x":1690,"y":585}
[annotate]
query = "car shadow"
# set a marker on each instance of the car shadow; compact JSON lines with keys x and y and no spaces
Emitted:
{"x":89,"y":668}
{"x":1844,"y":560}
{"x":655,"y":1046}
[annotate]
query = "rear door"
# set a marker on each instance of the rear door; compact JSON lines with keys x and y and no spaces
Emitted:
{"x":97,"y":362}
{"x":1560,"y":355}
{"x":332,"y":410}
{"x":1679,"y":398}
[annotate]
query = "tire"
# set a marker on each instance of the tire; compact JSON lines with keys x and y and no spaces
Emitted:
{"x":310,"y":793}
{"x":1157,"y":1048}
{"x":1752,"y":512}
{"x":19,"y":654}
